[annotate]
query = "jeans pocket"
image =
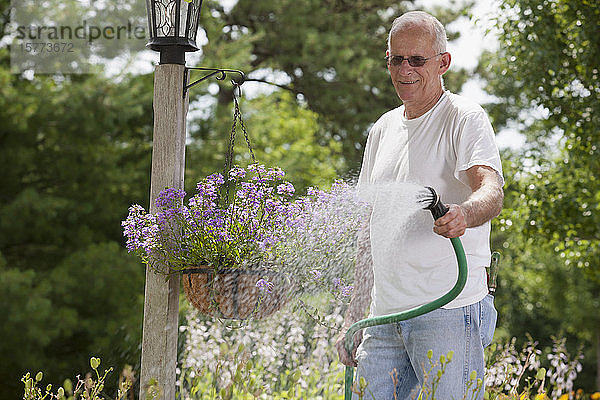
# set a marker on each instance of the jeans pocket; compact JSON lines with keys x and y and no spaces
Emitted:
{"x":488,"y":316}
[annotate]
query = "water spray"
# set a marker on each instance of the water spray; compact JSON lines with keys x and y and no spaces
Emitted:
{"x":433,"y":203}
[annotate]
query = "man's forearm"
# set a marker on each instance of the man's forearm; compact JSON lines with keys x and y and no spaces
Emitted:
{"x":485,"y":203}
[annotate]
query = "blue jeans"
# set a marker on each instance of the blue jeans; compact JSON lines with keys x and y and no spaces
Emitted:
{"x":393,"y":357}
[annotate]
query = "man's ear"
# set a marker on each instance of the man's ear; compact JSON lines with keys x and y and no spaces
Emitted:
{"x":445,"y":63}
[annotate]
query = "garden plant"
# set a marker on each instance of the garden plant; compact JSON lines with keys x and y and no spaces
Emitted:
{"x":308,"y":240}
{"x":292,"y":357}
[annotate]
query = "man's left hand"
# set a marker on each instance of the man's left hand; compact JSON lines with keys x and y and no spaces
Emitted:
{"x":453,"y":224}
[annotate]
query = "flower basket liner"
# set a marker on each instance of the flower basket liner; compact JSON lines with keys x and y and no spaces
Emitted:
{"x":233,"y":294}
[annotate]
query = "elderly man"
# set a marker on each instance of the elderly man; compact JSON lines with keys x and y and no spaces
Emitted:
{"x":439,"y":139}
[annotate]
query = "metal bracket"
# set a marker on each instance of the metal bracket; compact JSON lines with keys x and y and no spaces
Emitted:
{"x":220,"y":73}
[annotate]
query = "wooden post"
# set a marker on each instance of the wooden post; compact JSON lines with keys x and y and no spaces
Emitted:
{"x":161,"y":305}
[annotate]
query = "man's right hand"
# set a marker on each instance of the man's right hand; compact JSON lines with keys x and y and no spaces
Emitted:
{"x":345,"y":357}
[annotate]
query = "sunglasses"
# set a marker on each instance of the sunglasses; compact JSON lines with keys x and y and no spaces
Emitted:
{"x":413,"y":61}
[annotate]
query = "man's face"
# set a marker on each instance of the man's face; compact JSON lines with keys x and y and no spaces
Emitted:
{"x":417,"y":85}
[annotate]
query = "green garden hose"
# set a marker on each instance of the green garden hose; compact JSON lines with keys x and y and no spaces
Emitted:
{"x":438,"y":210}
{"x":404,"y":315}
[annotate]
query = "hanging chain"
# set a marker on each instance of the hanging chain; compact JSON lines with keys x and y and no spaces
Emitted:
{"x":237,"y":115}
{"x":230,"y":145}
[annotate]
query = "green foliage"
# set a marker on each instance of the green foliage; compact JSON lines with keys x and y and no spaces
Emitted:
{"x":236,"y":376}
{"x":90,"y":388}
{"x":84,"y":48}
{"x":563,"y":193}
{"x":27,"y":321}
{"x":532,"y":373}
{"x":433,"y":373}
{"x":545,"y":76}
{"x":78,"y":150}
{"x":282,"y":133}
{"x":327,"y":54}
{"x":511,"y":374}
{"x":110,"y":316}
{"x":231,"y":370}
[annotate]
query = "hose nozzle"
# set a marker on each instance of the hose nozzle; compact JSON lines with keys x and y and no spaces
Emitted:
{"x":433,"y":203}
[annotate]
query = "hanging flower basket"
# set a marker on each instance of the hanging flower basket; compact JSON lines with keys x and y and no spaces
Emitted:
{"x":235,"y":293}
{"x":245,"y":217}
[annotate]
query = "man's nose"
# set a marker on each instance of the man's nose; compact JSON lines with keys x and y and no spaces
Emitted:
{"x":405,"y":66}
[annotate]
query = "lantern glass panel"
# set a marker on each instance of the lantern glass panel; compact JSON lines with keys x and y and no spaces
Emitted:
{"x":173,"y":18}
{"x":173,"y":23}
{"x":164,"y":18}
{"x":192,"y":19}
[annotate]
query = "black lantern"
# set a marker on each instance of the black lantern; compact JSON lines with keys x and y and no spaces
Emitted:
{"x":173,"y":25}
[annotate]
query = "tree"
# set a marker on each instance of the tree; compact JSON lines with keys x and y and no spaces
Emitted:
{"x":69,"y":36}
{"x":78,"y":154}
{"x":328,"y":54}
{"x":281,"y":132}
{"x":78,"y":150}
{"x":545,"y":77}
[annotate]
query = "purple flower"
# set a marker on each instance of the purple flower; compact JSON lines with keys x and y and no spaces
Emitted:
{"x":267,"y":243}
{"x":316,"y":274}
{"x":259,"y":221}
{"x":313,"y":191}
{"x":339,"y":186}
{"x":265,"y":285}
{"x":215,"y":179}
{"x":337,"y":283}
{"x":136,"y":210}
{"x":347,"y":290}
{"x":208,"y":190}
{"x":141,"y":230}
{"x":340,"y":287}
{"x":257,"y":168}
{"x":169,"y":199}
{"x":286,"y":188}
{"x":237,"y":173}
{"x":275,"y":174}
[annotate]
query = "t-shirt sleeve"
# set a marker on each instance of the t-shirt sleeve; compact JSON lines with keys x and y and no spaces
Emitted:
{"x":476,"y":145}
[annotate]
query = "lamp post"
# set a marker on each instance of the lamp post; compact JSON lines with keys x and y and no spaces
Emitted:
{"x":173,"y":25}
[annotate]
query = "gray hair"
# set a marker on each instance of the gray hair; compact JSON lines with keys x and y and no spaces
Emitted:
{"x":424,"y":20}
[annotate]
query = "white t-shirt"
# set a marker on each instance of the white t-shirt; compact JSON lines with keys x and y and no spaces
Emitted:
{"x":412,"y":265}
